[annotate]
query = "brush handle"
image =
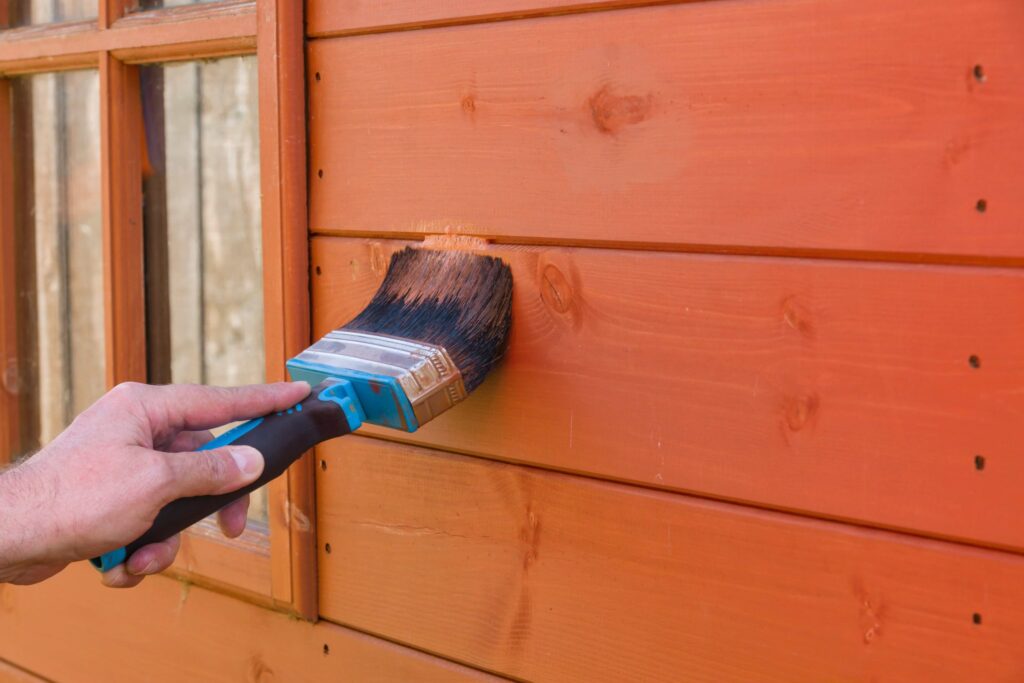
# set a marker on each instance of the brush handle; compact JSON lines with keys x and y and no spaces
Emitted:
{"x":329,"y":411}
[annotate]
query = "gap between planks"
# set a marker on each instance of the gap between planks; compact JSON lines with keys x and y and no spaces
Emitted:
{"x":706,"y":249}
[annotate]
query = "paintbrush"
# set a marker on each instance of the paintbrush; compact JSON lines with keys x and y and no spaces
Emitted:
{"x":437,"y":325}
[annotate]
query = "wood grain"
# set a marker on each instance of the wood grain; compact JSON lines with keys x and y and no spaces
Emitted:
{"x":841,"y":389}
{"x":121,"y":167}
{"x":713,"y":125}
{"x":347,"y":17}
{"x":546,"y":576}
{"x":167,"y":631}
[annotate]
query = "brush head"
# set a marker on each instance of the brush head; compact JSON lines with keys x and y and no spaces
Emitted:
{"x":454,"y":299}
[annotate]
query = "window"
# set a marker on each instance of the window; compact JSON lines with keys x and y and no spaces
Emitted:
{"x":156,"y":151}
{"x":201,"y":212}
{"x":59,"y":284}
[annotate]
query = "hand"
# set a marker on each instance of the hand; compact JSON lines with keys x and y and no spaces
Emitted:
{"x":99,"y":485}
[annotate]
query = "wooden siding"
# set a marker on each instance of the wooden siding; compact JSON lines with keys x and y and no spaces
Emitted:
{"x":551,"y":577}
{"x":773,"y":456}
{"x":791,"y":124}
{"x":169,"y":631}
{"x":838,"y":388}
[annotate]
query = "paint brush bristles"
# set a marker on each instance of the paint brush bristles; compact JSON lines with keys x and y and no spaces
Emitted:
{"x":454,"y":299}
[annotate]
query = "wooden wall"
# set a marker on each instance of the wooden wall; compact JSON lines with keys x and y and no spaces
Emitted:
{"x":758,"y":417}
{"x":758,"y":420}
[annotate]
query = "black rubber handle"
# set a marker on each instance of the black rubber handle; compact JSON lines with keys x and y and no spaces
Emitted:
{"x":281,"y":437}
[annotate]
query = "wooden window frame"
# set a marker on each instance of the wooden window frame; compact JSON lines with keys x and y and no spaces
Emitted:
{"x":277,"y":569}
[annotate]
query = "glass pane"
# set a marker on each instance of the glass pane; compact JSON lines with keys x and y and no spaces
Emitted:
{"x":25,"y":12}
{"x":59,"y":244}
{"x":202,"y":217}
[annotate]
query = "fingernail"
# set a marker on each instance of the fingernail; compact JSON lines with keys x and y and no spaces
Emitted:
{"x":248,"y":459}
{"x":302,"y":382}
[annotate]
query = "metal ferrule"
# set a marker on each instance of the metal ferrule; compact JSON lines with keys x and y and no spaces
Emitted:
{"x":425,"y":374}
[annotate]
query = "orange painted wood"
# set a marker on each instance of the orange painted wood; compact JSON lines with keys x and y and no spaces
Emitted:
{"x":186,"y":32}
{"x":12,"y":674}
{"x":9,"y":429}
{"x":121,"y":164}
{"x":167,"y":631}
{"x":331,"y":17}
{"x":286,"y":281}
{"x":175,"y":33}
{"x":110,"y":11}
{"x":837,"y":388}
{"x":854,"y":125}
{"x":49,"y":47}
{"x":546,"y":576}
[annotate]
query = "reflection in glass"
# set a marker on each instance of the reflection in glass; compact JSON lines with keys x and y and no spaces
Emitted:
{"x":202,"y":218}
{"x":59,"y":244}
{"x":25,"y":12}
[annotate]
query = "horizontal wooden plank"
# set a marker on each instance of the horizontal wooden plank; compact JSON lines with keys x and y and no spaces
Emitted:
{"x":346,"y":17}
{"x":837,"y":388}
{"x":548,"y":576}
{"x":854,"y":125}
{"x":174,"y":33}
{"x":71,"y":629}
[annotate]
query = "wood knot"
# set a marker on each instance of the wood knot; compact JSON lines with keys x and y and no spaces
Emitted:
{"x":956,"y":150}
{"x":611,"y":113}
{"x":872,"y":612}
{"x":378,"y":262}
{"x":530,"y":536}
{"x":800,"y":410}
{"x":798,"y":317}
{"x":296,"y":518}
{"x":259,"y":672}
{"x":469,"y":105}
{"x":555,"y":289}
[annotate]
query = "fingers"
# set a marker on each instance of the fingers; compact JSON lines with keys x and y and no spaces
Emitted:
{"x":149,"y":559}
{"x":191,"y":406}
{"x":232,"y":518}
{"x":171,"y":408}
{"x":205,"y":473}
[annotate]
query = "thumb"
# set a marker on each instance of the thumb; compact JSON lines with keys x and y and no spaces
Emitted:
{"x":218,"y":470}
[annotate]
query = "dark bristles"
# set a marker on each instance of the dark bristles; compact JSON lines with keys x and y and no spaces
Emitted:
{"x":454,"y":299}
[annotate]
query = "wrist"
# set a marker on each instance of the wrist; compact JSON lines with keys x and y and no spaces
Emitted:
{"x":20,"y":543}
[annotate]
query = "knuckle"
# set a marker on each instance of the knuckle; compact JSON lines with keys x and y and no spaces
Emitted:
{"x":127,"y":391}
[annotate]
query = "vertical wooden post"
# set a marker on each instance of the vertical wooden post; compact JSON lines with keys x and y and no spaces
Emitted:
{"x":282,"y":104}
{"x":154,"y":227}
{"x":9,"y":437}
{"x":124,"y":298}
{"x":111,"y":11}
